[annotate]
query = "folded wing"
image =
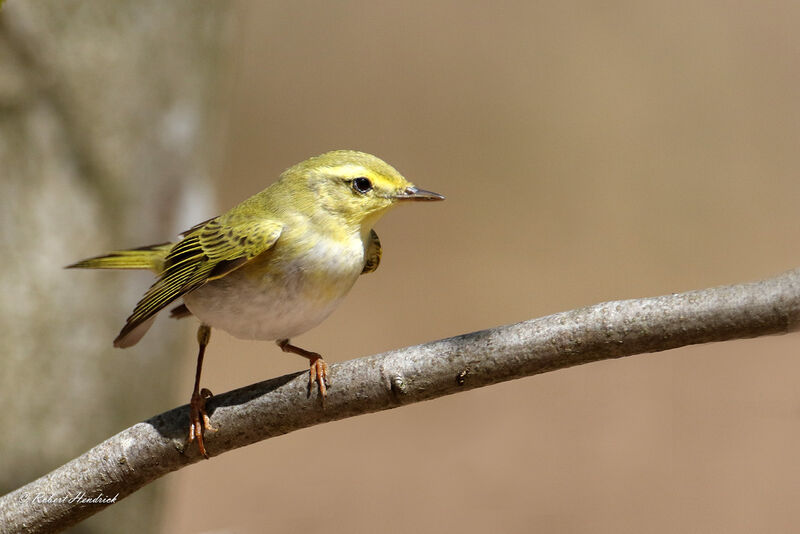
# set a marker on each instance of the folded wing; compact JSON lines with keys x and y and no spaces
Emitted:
{"x":207,"y":252}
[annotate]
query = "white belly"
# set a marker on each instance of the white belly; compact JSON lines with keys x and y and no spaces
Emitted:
{"x":270,"y":306}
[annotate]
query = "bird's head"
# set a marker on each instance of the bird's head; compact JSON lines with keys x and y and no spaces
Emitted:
{"x":353,"y":187}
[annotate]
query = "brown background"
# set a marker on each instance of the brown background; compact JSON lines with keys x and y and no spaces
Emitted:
{"x":590,"y":151}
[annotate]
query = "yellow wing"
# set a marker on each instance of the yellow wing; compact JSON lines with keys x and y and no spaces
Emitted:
{"x":207,"y":252}
{"x":373,"y":253}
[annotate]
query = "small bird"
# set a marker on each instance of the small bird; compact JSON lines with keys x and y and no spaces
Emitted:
{"x":272,"y":267}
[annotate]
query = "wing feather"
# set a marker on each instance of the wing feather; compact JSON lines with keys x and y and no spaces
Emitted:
{"x":207,"y":252}
{"x":373,"y":253}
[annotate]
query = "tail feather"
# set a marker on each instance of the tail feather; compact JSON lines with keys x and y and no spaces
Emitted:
{"x":150,"y":258}
{"x":130,"y":337}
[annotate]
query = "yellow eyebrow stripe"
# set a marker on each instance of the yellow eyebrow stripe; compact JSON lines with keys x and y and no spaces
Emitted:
{"x":347,"y":170}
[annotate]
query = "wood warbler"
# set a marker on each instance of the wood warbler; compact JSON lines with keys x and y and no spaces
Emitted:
{"x":272,"y":267}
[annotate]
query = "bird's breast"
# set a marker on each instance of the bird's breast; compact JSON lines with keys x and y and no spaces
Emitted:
{"x":282,"y":293}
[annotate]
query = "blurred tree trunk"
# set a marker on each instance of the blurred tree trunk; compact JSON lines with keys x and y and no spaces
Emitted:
{"x":107,"y":137}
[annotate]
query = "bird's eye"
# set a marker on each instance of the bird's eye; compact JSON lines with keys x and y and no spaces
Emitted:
{"x":362,"y":185}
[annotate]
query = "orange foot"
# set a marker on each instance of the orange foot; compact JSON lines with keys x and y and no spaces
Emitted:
{"x":198,"y":419}
{"x":318,"y":371}
{"x":319,"y":374}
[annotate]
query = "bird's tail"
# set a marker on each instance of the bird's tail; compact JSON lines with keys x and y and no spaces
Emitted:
{"x":150,"y":257}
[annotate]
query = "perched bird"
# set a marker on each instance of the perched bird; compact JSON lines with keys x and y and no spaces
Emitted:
{"x":272,"y":267}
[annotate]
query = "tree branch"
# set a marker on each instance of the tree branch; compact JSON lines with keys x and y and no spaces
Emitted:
{"x":148,"y":450}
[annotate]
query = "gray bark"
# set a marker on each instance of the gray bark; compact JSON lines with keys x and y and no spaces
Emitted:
{"x":105,"y":114}
{"x":144,"y":452}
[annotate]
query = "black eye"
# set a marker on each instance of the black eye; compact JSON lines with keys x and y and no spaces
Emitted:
{"x":362,"y":185}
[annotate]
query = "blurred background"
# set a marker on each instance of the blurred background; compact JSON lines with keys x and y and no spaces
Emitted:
{"x":588,"y":151}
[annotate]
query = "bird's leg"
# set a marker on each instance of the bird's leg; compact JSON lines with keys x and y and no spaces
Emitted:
{"x":198,"y":418}
{"x":318,"y":371}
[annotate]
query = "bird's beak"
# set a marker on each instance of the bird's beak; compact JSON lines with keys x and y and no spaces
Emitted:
{"x":414,"y":193}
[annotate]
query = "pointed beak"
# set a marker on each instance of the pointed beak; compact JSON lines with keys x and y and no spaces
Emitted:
{"x":414,"y":193}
